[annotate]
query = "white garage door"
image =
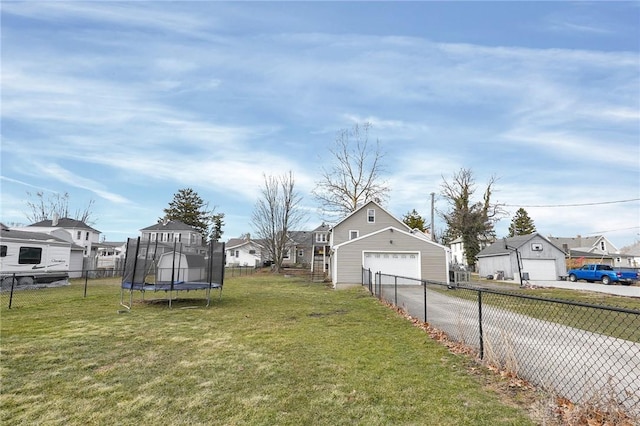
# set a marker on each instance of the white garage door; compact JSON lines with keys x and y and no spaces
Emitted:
{"x":400,"y":264}
{"x":540,"y":269}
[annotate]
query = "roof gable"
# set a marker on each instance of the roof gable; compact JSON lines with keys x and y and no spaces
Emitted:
{"x":172,"y":225}
{"x":368,"y":205}
{"x":500,"y":246}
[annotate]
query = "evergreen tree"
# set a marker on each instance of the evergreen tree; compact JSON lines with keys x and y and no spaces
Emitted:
{"x":414,"y":221}
{"x":189,"y":208}
{"x":521,"y":224}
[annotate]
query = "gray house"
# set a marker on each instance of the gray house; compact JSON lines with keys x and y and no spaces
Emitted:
{"x":537,"y":257}
{"x":166,"y":235}
{"x":372,"y":238}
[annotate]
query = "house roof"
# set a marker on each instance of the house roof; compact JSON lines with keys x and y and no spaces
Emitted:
{"x":33,"y":236}
{"x":112,"y":243}
{"x":632,"y":250}
{"x":578,"y":253}
{"x":366,"y":205}
{"x":323,"y":228}
{"x":579,"y":242}
{"x":239,"y":242}
{"x":498,"y":248}
{"x":171,"y":225}
{"x":66,"y":223}
{"x":301,"y":237}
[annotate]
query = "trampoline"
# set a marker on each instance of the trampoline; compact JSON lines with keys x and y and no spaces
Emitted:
{"x":141,"y":272}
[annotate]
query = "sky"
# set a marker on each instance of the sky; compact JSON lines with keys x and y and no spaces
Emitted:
{"x":122,"y":104}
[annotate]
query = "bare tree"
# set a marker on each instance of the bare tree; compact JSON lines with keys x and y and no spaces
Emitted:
{"x":277,"y":213}
{"x":56,"y":204}
{"x":354,"y":176}
{"x":473,"y":221}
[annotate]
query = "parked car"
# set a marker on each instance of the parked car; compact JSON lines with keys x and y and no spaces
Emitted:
{"x":604,"y":273}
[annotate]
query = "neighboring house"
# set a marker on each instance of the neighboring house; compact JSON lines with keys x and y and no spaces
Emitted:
{"x":79,"y":232}
{"x":372,"y":238}
{"x":110,"y":255}
{"x":321,"y":250}
{"x":168,"y":235}
{"x":632,"y":254}
{"x":532,"y":255}
{"x":299,"y":249}
{"x":244,"y":252}
{"x":597,"y":244}
{"x":458,"y":254}
{"x":596,"y":249}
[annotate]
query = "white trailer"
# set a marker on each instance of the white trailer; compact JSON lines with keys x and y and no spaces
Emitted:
{"x":32,"y":257}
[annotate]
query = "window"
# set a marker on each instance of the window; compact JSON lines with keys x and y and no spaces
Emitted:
{"x":371,"y":215}
{"x":153,"y":236}
{"x":354,"y":234}
{"x":300,"y":253}
{"x":86,"y":237}
{"x":285,"y":255}
{"x":237,"y":253}
{"x":252,"y":252}
{"x":79,"y":235}
{"x":3,"y":251}
{"x":177,"y":237}
{"x":321,"y":237}
{"x":602,"y":246}
{"x":30,"y":255}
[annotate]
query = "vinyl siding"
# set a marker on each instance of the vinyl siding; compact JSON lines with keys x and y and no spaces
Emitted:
{"x":350,"y":256}
{"x":358,"y":221}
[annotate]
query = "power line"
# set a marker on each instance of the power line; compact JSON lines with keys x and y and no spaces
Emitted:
{"x":576,"y":205}
{"x":613,"y":230}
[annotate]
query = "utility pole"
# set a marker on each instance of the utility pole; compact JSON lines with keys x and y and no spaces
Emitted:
{"x":433,"y":235}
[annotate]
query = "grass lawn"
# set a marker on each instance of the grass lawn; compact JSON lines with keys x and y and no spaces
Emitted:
{"x":272,"y":351}
{"x":611,"y":323}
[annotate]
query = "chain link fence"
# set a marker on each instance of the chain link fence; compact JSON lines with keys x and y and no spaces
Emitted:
{"x":580,"y":351}
{"x":16,"y":292}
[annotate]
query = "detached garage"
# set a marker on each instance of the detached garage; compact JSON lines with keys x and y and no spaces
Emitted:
{"x":391,"y":251}
{"x":539,"y":259}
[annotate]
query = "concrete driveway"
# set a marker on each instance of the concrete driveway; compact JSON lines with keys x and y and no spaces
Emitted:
{"x":617,"y":289}
{"x":573,"y":362}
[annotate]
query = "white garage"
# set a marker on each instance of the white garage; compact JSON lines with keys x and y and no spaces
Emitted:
{"x":538,"y":257}
{"x":404,"y":264}
{"x":540,"y":269}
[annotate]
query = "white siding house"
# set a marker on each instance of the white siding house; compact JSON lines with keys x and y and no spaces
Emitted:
{"x":243,"y":252}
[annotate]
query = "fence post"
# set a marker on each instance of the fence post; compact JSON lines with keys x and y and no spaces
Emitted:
{"x":424,"y":285}
{"x":86,"y":279}
{"x":480,"y":323}
{"x":13,"y":280}
{"x":395,"y":290}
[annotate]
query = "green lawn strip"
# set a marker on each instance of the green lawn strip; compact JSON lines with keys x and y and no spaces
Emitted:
{"x":611,"y":323}
{"x":272,"y":350}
